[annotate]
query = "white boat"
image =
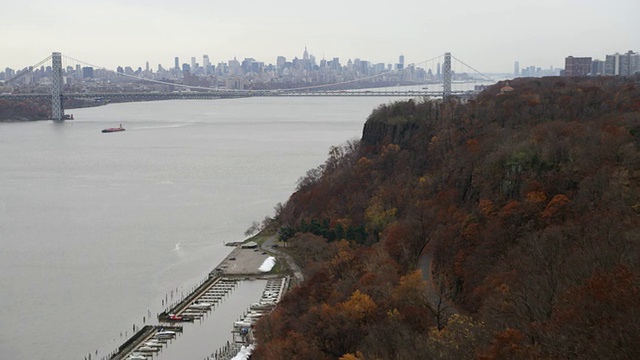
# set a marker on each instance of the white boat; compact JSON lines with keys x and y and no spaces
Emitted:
{"x":166,"y":332}
{"x":148,"y":349}
{"x":165,"y":335}
{"x":152,"y":343}
{"x":136,"y":357}
{"x":202,"y":305}
{"x":243,"y":323}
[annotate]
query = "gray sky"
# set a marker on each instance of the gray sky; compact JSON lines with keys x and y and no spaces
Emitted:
{"x":489,"y":35}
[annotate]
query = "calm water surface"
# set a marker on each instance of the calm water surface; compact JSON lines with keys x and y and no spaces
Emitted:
{"x":96,"y":230}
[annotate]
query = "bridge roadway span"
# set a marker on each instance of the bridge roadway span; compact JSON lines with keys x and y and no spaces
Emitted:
{"x":237,"y":94}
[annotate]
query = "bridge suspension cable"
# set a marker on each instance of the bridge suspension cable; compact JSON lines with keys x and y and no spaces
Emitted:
{"x":469,"y":66}
{"x":27,"y":70}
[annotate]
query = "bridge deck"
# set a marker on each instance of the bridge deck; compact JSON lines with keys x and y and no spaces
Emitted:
{"x":239,"y":94}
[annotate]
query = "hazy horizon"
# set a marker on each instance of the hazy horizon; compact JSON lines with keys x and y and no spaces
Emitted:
{"x":490,"y":36}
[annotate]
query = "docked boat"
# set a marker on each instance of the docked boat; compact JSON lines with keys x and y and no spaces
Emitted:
{"x":201,"y":306}
{"x":115,"y":129}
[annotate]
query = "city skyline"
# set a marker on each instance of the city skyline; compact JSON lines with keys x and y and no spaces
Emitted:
{"x":488,"y":35}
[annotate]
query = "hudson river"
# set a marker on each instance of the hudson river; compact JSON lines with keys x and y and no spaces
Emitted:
{"x":98,"y":230}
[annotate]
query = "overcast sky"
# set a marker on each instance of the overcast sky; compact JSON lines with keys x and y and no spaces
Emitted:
{"x":488,"y":35}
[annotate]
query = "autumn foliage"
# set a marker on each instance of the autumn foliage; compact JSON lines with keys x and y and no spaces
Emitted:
{"x":524,"y":206}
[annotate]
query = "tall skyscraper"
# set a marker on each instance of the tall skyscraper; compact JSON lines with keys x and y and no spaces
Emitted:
{"x":400,"y":62}
{"x":280,"y":63}
{"x":516,"y":68}
{"x":177,"y":63}
{"x":206,"y":64}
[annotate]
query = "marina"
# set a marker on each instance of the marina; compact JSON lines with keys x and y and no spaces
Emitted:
{"x":242,"y":264}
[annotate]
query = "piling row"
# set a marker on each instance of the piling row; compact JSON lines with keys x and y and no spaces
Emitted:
{"x":243,"y":327}
{"x":146,"y":342}
{"x":202,"y":299}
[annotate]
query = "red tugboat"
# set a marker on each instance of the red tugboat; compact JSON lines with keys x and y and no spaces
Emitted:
{"x":116,"y":129}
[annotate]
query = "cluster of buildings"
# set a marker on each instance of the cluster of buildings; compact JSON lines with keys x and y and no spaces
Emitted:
{"x":534,"y":71}
{"x":613,"y":65}
{"x":248,"y":73}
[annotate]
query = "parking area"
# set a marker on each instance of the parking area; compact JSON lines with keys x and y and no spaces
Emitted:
{"x":243,"y":261}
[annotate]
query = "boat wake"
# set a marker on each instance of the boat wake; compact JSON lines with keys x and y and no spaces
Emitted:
{"x":177,"y":247}
{"x":159,"y":127}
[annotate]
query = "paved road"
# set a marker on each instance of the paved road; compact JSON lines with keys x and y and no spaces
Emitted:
{"x":268,"y":246}
{"x":441,"y":304}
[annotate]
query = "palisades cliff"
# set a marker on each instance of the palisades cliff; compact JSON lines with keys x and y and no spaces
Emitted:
{"x":498,"y":228}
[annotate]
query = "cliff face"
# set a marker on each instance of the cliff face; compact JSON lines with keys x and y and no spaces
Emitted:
{"x":399,"y":132}
{"x":527,"y":203}
{"x":400,"y":123}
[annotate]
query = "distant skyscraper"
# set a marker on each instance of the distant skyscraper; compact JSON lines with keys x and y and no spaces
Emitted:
{"x":234,"y":66}
{"x":87,"y":72}
{"x":634,"y":63}
{"x":206,"y":64}
{"x":577,"y":66}
{"x":629,"y":63}
{"x":177,"y":63}
{"x":146,"y":68}
{"x":193,"y":64}
{"x":516,"y":68}
{"x":335,"y":63}
{"x":280,"y":63}
{"x":305,"y":55}
{"x":612,"y":65}
{"x":400,"y":62}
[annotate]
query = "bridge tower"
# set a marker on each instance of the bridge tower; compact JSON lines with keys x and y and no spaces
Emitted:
{"x":446,"y":76}
{"x":57,"y":112}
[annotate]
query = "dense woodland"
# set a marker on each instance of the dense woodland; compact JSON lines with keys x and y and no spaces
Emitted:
{"x":526,"y":204}
{"x":37,"y":109}
{"x":25,"y":110}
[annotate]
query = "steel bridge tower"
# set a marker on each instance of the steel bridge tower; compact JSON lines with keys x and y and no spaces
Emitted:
{"x":57,"y":112}
{"x":446,"y":76}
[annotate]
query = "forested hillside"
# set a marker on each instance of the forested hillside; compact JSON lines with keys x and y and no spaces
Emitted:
{"x":25,"y":110}
{"x":525,"y":202}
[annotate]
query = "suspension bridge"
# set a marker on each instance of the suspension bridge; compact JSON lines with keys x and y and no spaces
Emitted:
{"x":59,"y":93}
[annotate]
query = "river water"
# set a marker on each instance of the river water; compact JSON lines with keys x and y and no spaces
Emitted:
{"x":98,"y":230}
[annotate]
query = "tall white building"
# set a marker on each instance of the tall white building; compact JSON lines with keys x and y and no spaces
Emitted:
{"x":622,"y":64}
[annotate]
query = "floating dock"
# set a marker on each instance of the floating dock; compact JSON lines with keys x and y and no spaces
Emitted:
{"x":147,"y":341}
